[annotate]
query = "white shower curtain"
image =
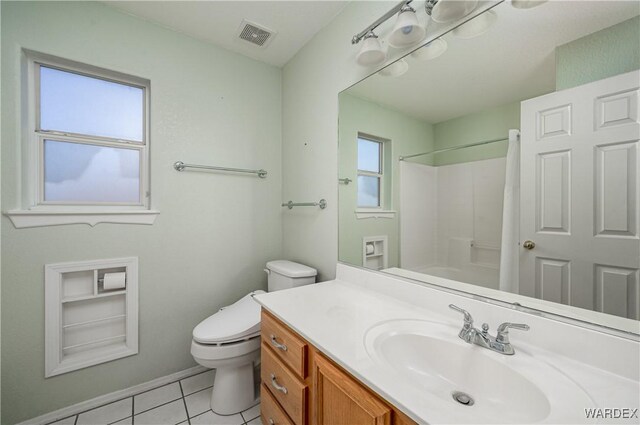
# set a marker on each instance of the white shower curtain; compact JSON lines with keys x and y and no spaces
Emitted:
{"x":509,"y":269}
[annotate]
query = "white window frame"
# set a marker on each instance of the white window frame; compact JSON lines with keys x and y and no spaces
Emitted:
{"x":380,"y":175}
{"x":35,"y":211}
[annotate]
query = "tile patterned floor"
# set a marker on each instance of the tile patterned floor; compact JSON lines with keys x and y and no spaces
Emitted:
{"x":184,"y":402}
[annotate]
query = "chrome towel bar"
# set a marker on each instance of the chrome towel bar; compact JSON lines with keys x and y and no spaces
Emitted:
{"x":322,"y":204}
{"x":180,"y":166}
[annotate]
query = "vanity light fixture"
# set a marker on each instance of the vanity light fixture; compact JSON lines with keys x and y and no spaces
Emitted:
{"x":430,"y":51}
{"x":365,"y":34}
{"x":445,"y":11}
{"x":476,"y":26}
{"x":391,"y":12}
{"x":407,"y":30}
{"x":371,"y":52}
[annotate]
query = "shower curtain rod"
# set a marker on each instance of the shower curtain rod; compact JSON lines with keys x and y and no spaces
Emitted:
{"x":454,"y":148}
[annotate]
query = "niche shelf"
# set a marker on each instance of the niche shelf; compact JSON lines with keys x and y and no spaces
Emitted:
{"x":374,"y":252}
{"x":86,"y":324}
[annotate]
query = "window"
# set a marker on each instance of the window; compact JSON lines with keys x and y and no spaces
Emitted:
{"x":370,"y":177}
{"x":87,"y":143}
{"x":91,"y":134}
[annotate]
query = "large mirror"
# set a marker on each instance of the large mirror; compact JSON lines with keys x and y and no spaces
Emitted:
{"x":501,"y":160}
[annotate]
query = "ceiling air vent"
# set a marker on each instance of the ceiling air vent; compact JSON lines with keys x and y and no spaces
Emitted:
{"x":255,"y":34}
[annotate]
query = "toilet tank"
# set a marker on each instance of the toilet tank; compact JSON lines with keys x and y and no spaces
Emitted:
{"x":287,"y":274}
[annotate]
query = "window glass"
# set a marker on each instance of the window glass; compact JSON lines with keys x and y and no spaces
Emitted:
{"x":368,"y":191}
{"x":76,"y":172}
{"x":369,"y":155}
{"x":74,"y":103}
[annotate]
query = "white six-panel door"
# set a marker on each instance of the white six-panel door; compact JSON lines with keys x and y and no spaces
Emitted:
{"x":580,"y":196}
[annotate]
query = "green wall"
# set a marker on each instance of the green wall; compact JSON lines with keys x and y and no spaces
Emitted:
{"x":489,"y":124}
{"x":611,"y":51}
{"x":407,"y":135}
{"x":214,"y":232}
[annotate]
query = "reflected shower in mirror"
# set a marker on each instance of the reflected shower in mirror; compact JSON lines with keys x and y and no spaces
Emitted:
{"x":505,"y":164}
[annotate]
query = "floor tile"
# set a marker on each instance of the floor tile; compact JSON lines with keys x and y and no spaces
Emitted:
{"x":251,"y":413}
{"x":167,"y":414}
{"x":198,"y":402}
{"x":126,"y":421}
{"x":110,"y":413}
{"x":71,"y":420}
{"x":198,"y":382}
{"x":153,"y":398}
{"x":210,"y":418}
{"x":256,"y":421}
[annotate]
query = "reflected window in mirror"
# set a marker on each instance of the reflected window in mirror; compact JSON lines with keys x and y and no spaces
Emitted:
{"x":370,"y":172}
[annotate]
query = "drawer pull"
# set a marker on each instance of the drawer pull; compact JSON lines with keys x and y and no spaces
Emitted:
{"x":277,"y":386}
{"x":276,"y":344}
{"x":271,"y":421}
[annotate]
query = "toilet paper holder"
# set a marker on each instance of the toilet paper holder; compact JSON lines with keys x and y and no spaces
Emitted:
{"x":101,"y":280}
{"x":119,"y":281}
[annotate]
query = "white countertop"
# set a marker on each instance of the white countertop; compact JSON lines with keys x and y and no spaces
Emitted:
{"x":335,"y":317}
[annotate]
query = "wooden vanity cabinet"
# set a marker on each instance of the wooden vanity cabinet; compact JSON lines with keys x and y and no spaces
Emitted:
{"x":300,"y":386}
{"x":339,"y":399}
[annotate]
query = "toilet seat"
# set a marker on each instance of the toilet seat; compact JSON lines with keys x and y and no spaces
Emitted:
{"x":231,"y":352}
{"x":237,"y":322}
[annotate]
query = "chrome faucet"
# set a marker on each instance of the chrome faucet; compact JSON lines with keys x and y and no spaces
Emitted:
{"x":500,"y":343}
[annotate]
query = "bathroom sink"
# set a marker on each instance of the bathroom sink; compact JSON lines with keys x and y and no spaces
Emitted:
{"x":480,"y":386}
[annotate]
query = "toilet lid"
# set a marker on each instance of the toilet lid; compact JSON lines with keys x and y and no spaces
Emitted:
{"x":240,"y":319}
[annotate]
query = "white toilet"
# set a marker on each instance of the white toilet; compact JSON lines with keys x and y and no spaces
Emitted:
{"x":229,"y":340}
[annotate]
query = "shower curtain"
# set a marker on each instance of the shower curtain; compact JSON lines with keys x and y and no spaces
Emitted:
{"x":509,"y":269}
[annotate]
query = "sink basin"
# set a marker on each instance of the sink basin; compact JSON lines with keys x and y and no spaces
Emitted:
{"x":430,"y":357}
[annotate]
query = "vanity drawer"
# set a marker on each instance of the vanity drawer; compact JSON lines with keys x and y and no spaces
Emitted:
{"x":270,"y":410}
{"x":289,"y":347}
{"x":286,"y":388}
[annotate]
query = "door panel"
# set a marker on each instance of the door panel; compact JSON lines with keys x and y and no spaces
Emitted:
{"x":553,"y":280}
{"x":617,"y":109}
{"x":553,"y":192}
{"x":616,"y":177}
{"x":554,"y":122}
{"x":617,"y":291}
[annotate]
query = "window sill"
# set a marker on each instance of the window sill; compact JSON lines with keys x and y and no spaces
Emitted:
{"x":31,"y":218}
{"x":364,"y":213}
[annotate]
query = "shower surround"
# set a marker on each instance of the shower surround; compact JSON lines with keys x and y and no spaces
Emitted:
{"x":451,"y":219}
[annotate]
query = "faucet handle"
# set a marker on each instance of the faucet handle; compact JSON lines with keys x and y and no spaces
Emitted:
{"x":468,"y":320}
{"x":503,"y":331}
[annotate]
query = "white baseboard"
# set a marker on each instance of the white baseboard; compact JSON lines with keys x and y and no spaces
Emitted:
{"x":111,"y":397}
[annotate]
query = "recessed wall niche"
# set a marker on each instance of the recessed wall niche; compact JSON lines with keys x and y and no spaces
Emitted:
{"x":88,"y":319}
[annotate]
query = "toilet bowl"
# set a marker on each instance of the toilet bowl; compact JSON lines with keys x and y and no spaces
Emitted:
{"x":229,"y":340}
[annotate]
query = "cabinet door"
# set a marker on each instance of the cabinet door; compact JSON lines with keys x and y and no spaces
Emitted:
{"x":340,"y":400}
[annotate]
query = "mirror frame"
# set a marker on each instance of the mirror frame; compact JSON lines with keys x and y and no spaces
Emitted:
{"x":490,"y":296}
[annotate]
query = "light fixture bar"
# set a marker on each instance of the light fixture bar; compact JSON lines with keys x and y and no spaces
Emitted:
{"x":428,"y":6}
{"x":395,"y":9}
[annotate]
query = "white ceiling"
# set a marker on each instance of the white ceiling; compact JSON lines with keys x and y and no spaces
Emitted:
{"x":514,"y":61}
{"x":217,"y":22}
